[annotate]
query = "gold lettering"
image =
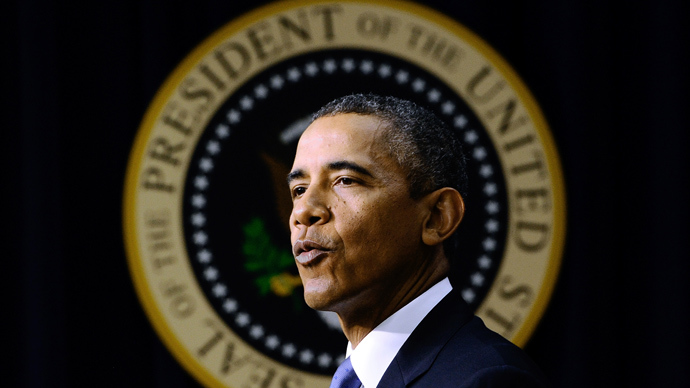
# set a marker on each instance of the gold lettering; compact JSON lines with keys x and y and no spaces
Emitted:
{"x":263,"y":41}
{"x":508,"y":324}
{"x":159,"y":238}
{"x":291,"y":381}
{"x":518,"y":143}
{"x":288,"y":26}
{"x":521,"y":290}
{"x":175,"y":118}
{"x":261,"y":376}
{"x":164,"y":261}
{"x":228,"y":356}
{"x":190,"y":91}
{"x":327,"y":12}
{"x":480,"y":92}
{"x":212,"y":76}
{"x":532,"y":200}
{"x":507,"y":110}
{"x":233,"y":58}
{"x":159,"y":246}
{"x":154,"y":179}
{"x":370,"y":25}
{"x":181,"y":303}
{"x":415,"y":34}
{"x":531,"y":236}
{"x":535,"y":165}
{"x":521,"y":293}
{"x":163,"y":151}
{"x":211,"y":343}
{"x":229,"y":362}
{"x":435,"y":47}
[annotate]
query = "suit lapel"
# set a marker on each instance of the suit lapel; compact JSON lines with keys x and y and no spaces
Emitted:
{"x":420,"y":350}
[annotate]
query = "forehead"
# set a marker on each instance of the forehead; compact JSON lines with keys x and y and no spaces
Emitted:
{"x":341,"y":136}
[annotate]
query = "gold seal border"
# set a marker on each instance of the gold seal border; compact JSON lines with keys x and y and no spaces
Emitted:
{"x":236,"y":25}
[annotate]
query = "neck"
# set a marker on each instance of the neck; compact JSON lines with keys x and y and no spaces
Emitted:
{"x":359,"y":320}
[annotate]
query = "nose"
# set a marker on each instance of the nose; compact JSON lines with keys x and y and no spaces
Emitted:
{"x":310,"y":209}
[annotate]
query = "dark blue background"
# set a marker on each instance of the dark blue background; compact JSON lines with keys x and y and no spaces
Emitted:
{"x":610,"y":76}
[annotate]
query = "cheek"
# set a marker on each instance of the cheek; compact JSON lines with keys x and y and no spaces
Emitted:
{"x":391,"y":226}
{"x":364,"y":231}
{"x":370,"y":225}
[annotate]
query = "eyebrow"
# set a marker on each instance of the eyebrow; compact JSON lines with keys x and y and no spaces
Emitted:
{"x":333,"y":166}
{"x":295,"y":175}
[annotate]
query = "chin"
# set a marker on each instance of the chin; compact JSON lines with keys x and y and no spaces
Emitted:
{"x":315,"y":304}
{"x":317,"y":301}
{"x":318,"y":296}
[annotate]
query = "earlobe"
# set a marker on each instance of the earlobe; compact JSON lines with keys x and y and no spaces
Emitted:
{"x":446,"y":209}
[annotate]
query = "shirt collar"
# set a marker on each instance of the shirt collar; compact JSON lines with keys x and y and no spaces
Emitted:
{"x":378,"y":349}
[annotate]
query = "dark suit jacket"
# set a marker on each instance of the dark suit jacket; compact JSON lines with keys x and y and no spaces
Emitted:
{"x":452,"y":348}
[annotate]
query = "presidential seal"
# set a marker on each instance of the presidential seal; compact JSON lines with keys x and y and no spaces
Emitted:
{"x":206,"y":204}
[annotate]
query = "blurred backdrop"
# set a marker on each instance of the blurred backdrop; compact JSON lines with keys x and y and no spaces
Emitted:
{"x":610,"y":76}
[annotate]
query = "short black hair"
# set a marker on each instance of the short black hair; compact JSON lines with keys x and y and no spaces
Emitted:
{"x":420,"y":142}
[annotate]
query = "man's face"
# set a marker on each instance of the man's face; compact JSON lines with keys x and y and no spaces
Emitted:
{"x":355,"y":230}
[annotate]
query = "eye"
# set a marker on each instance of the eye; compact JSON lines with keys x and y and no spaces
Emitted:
{"x":345,"y":181}
{"x":298,"y":191}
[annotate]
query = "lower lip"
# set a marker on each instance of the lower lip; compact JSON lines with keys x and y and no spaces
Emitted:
{"x":309,"y":256}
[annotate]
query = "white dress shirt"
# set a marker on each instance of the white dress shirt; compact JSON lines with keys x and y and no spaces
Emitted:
{"x":378,"y":349}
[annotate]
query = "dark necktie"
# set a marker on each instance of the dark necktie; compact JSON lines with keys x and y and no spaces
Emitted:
{"x":345,"y":376}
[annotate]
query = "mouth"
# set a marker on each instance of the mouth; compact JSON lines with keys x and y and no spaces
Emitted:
{"x":308,"y":251}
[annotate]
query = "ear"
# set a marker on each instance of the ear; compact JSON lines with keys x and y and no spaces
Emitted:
{"x":446,"y":209}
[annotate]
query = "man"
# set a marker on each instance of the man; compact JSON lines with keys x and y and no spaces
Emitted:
{"x":376,"y":186}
